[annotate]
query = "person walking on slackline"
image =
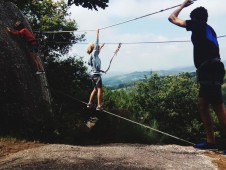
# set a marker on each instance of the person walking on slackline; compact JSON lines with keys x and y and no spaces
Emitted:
{"x":210,"y":70}
{"x":94,"y":50}
{"x":31,"y":42}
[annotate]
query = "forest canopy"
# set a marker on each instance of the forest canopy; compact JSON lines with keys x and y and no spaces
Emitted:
{"x":90,"y":4}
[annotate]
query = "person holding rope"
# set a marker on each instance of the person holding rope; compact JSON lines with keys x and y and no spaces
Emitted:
{"x":210,"y":70}
{"x":31,"y":42}
{"x":94,"y":50}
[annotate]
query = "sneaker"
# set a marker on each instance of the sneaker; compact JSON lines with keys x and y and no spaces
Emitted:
{"x":205,"y":145}
{"x":100,"y":108}
{"x":90,"y":105}
{"x":38,"y":72}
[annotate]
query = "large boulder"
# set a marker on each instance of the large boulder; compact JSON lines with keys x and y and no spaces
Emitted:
{"x":25,"y":105}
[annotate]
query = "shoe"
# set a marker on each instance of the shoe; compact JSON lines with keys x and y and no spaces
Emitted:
{"x":90,"y":105}
{"x":224,"y":152}
{"x":205,"y":145}
{"x":100,"y":108}
{"x":38,"y":72}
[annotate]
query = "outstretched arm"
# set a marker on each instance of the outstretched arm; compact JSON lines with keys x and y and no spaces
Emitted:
{"x":14,"y":33}
{"x":8,"y":29}
{"x":101,"y":46}
{"x":174,"y":16}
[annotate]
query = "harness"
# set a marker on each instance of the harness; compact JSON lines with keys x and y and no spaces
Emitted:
{"x":209,"y":61}
{"x":95,"y":79}
{"x":97,"y":71}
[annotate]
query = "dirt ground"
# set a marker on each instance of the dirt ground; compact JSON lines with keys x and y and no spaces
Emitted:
{"x":31,"y":155}
{"x":9,"y":147}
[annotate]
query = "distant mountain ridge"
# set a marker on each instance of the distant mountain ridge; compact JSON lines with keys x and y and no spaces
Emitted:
{"x":117,"y":80}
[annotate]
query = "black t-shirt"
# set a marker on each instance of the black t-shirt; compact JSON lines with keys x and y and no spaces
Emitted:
{"x":204,"y":40}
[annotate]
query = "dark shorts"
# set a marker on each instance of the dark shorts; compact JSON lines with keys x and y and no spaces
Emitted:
{"x":33,"y":48}
{"x":96,"y":80}
{"x":212,"y":94}
{"x":211,"y":72}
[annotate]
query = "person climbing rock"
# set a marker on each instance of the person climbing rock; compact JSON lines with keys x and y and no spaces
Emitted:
{"x":23,"y":32}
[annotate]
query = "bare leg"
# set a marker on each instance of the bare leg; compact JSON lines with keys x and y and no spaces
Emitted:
{"x":221,"y":114}
{"x":33,"y":57}
{"x":37,"y":61}
{"x":92,"y":95}
{"x":204,"y":111}
{"x":99,"y":97}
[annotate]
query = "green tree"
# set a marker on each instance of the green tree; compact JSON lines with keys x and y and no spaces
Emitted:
{"x":164,"y":103}
{"x":21,"y":3}
{"x":90,"y":4}
{"x":69,"y":76}
{"x":68,"y":81}
{"x":170,"y":100}
{"x":47,"y":15}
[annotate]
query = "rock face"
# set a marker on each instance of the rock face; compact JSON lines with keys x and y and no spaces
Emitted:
{"x":114,"y":156}
{"x":24,"y":96}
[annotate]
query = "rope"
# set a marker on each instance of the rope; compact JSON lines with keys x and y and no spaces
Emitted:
{"x":127,"y":43}
{"x":115,"y":53}
{"x":140,"y":17}
{"x":222,"y":36}
{"x":145,"y":126}
{"x":55,"y":32}
{"x":117,"y":23}
{"x":148,"y":127}
{"x":73,"y":98}
{"x":152,"y":42}
{"x":132,"y":43}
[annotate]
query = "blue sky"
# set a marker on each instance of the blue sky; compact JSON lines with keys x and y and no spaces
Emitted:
{"x":144,"y":57}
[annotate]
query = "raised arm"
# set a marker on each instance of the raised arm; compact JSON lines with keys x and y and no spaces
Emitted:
{"x":98,"y":33}
{"x":97,"y":41}
{"x":174,"y":16}
{"x":101,"y":46}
